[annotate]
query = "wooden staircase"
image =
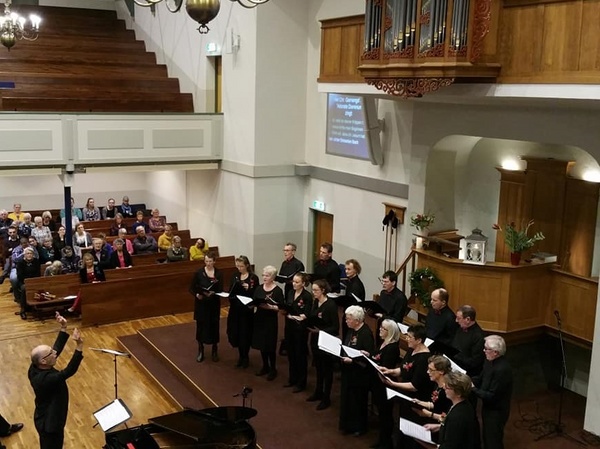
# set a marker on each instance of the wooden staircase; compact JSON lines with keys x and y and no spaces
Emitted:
{"x":86,"y":61}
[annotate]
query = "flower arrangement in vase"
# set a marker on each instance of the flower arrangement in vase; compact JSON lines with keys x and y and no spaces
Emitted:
{"x":422,"y":221}
{"x":518,"y":240}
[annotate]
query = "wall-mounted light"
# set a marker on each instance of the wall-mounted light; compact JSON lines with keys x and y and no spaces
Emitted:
{"x":591,"y":175}
{"x":511,"y":164}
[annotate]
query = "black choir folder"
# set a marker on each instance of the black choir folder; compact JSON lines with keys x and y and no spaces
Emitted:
{"x":112,"y":414}
{"x":284,"y":279}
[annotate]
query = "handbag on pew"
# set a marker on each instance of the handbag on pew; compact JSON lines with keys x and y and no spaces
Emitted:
{"x":42,"y":295}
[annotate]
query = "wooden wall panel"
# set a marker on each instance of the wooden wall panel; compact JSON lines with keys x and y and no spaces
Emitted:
{"x":519,"y":300}
{"x":589,"y":51}
{"x":561,"y":41}
{"x":511,"y":207}
{"x":341,"y":48}
{"x":549,"y":41}
{"x":575,"y":298}
{"x":579,"y":226}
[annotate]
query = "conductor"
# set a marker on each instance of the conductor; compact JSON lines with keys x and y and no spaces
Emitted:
{"x":50,"y":386}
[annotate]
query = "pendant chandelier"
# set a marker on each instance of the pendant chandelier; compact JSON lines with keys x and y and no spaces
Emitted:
{"x":202,"y":11}
{"x":13,"y":26}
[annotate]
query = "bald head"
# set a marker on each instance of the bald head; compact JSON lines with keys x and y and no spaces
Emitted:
{"x":43,"y":356}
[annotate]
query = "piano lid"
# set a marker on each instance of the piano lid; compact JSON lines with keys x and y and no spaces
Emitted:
{"x":200,"y":424}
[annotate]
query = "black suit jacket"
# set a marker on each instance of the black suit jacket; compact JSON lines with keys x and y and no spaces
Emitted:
{"x":51,"y":391}
{"x":461,"y":428}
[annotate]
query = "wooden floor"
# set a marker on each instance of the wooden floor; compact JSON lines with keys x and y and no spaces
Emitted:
{"x":91,"y":388}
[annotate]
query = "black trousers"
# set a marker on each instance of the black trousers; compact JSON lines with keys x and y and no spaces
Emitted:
{"x":52,"y":440}
{"x":324,"y":367}
{"x":493,"y":428}
{"x":297,"y":349}
{"x":4,"y":426}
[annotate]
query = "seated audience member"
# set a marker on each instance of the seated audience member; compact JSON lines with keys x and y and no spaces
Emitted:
{"x":460,"y":429}
{"x":125,"y":208}
{"x":10,"y":243}
{"x":354,"y":395}
{"x":120,"y":258}
{"x":71,"y":262}
{"x":33,"y":243}
{"x":123,"y":236}
{"x":48,"y":221}
{"x":118,"y":224}
{"x":199,"y":250}
{"x":81,"y":237}
{"x":90,"y":211}
{"x":48,"y":253}
{"x":17,"y":214}
{"x":16,"y":256}
{"x":156,"y":222}
{"x":5,"y":222}
{"x":60,"y":240}
{"x":28,"y":267}
{"x":75,"y":212}
{"x":469,"y":341}
{"x":387,"y":354}
{"x":54,"y":269}
{"x":90,"y":273}
{"x":100,"y":253}
{"x":109,"y":212}
{"x":105,"y":244}
{"x":26,"y":225}
{"x":165,"y":240}
{"x":40,"y":232}
{"x":139,"y":221}
{"x":144,"y":243}
{"x":74,"y":222}
{"x":177,"y":253}
{"x":441,"y":322}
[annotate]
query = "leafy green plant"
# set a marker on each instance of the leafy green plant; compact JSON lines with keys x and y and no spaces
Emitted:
{"x":423,"y":281}
{"x":518,"y":240}
{"x":422,"y":221}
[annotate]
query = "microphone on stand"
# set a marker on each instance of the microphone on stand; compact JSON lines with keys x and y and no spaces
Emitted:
{"x":557,"y":315}
{"x":112,"y":352}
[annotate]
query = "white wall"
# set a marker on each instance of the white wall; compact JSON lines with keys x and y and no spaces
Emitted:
{"x":39,"y":192}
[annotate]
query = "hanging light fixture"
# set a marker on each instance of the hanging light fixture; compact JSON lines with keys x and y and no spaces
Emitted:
{"x":13,"y":26}
{"x":202,"y":11}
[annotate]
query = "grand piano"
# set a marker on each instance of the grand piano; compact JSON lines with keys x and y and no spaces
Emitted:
{"x":211,"y":428}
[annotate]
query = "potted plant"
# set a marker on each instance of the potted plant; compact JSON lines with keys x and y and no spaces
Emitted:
{"x":422,"y":223}
{"x":518,"y":240}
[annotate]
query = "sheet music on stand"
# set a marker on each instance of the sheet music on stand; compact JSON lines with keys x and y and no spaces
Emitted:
{"x":112,"y":414}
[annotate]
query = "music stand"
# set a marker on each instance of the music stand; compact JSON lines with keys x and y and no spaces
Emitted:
{"x":115,"y":354}
{"x":112,"y":414}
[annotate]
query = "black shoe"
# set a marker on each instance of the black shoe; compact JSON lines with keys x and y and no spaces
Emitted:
{"x":23,"y":315}
{"x":200,"y":357}
{"x":215,"y":353}
{"x":2,"y":278}
{"x":325,"y":403}
{"x":272,"y":375}
{"x":314,"y":397}
{"x":245,"y":363}
{"x":14,"y":428}
{"x":298,"y":389}
{"x":11,"y":290}
{"x":262,"y":371}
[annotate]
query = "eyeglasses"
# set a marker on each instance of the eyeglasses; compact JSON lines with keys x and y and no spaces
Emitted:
{"x":431,"y":370}
{"x":488,"y":349}
{"x":52,"y":351}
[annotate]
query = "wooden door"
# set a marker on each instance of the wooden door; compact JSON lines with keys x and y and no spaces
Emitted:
{"x":323,"y":231}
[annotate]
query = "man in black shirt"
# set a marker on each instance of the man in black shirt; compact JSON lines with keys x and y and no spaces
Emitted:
{"x":469,"y":341}
{"x":289,"y":267}
{"x":441,"y":322}
{"x":392,"y":300}
{"x":326,"y":268}
{"x":494,"y":388}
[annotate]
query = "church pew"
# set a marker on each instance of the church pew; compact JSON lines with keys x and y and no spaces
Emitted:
{"x":60,"y":286}
{"x":142,"y":297}
{"x":158,"y":269}
{"x":183,"y":233}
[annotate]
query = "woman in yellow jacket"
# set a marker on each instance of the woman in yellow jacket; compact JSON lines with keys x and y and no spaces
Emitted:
{"x":198,"y":251}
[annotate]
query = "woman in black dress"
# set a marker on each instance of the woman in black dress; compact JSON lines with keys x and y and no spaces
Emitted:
{"x":354,"y":395}
{"x":439,"y":404}
{"x":459,"y":429}
{"x":387,"y":355}
{"x":325,"y":315}
{"x":299,"y":302}
{"x":207,"y":306}
{"x":354,"y":287}
{"x":240,"y":317}
{"x":267,"y":297}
